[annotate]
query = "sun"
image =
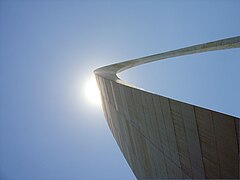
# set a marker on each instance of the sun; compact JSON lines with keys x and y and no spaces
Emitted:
{"x":91,"y":91}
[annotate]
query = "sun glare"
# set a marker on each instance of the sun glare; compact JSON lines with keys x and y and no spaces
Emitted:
{"x":91,"y":91}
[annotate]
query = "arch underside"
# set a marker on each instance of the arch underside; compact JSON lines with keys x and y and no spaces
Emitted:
{"x":165,"y":138}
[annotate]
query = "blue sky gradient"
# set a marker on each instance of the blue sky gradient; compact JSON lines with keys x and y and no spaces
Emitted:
{"x":48,"y":50}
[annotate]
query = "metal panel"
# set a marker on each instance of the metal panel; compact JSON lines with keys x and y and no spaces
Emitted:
{"x":139,"y":112}
{"x":167,"y":116}
{"x":195,"y":154}
{"x":208,"y":142}
{"x":181,"y":137}
{"x":227,"y":149}
{"x":163,"y":134}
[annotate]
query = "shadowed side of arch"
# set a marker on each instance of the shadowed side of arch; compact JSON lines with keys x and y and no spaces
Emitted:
{"x":164,"y":138}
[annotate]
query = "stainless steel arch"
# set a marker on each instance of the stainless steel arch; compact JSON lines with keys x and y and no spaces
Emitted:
{"x":164,"y":138}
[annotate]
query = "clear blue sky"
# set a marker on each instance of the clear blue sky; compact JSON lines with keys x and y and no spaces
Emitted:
{"x":48,"y":49}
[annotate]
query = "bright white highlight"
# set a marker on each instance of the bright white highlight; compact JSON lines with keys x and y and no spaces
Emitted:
{"x":91,"y":92}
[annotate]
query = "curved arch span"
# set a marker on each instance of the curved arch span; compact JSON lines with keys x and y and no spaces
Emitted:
{"x":164,"y":138}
